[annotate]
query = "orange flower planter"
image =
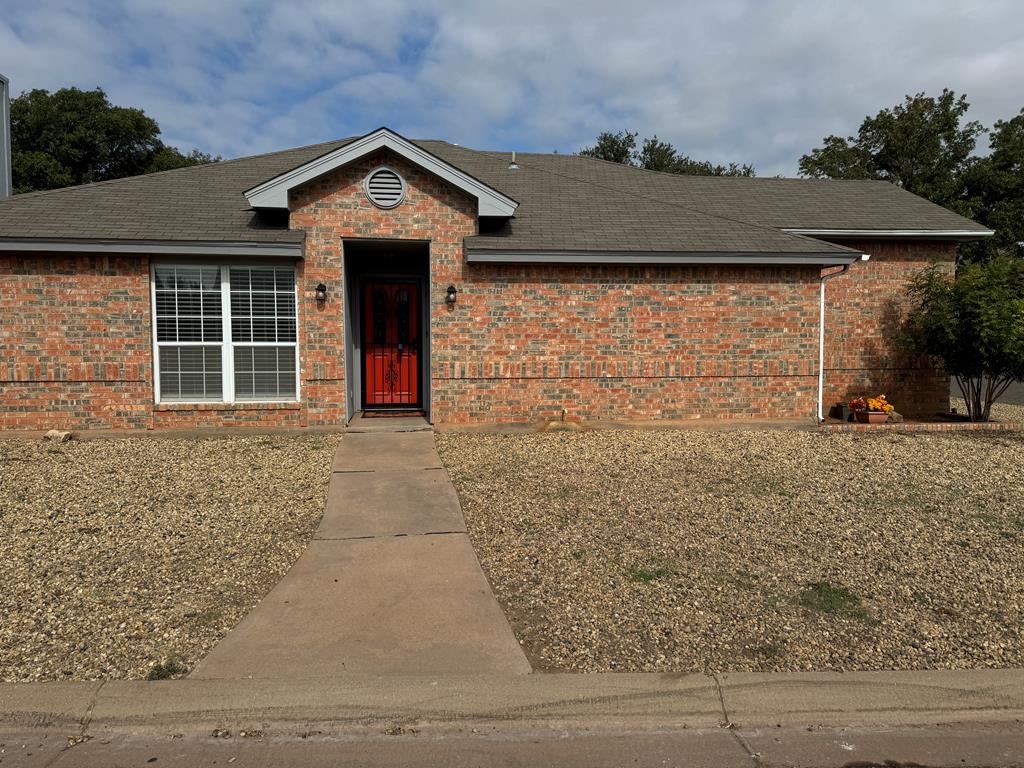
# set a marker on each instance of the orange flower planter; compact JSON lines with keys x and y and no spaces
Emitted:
{"x":871,"y":417}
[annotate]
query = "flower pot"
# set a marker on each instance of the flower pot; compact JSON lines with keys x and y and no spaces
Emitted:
{"x":871,"y":417}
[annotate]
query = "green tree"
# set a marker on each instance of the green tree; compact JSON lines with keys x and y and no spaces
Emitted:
{"x":71,"y":136}
{"x":974,"y":325}
{"x":922,"y":145}
{"x":657,"y":155}
{"x":614,"y":147}
{"x":169,"y":158}
{"x":995,"y":187}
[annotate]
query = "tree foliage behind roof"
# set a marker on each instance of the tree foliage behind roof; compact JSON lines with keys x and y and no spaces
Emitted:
{"x":926,"y":146}
{"x":71,"y":136}
{"x":919,"y":145}
{"x":994,"y":186}
{"x":657,"y":155}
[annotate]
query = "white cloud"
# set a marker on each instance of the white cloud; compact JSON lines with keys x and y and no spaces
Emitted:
{"x":743,"y":80}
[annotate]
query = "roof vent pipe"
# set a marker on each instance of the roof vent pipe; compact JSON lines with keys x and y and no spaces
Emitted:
{"x":513,"y":166}
{"x":821,"y":334}
{"x":5,"y":137}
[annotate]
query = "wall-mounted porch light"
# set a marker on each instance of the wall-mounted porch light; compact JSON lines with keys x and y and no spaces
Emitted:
{"x":321,"y":293}
{"x":451,"y":295}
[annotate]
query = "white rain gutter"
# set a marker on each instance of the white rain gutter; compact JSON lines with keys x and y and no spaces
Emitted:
{"x":821,"y":334}
{"x":916,"y":234}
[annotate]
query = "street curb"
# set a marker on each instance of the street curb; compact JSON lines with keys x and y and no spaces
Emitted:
{"x":735,"y":700}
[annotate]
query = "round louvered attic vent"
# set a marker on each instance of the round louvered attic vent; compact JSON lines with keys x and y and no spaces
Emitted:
{"x":384,"y":187}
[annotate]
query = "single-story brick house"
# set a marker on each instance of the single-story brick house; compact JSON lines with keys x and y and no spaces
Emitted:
{"x":301,"y":287}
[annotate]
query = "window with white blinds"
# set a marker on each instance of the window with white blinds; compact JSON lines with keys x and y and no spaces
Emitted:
{"x":225,"y":334}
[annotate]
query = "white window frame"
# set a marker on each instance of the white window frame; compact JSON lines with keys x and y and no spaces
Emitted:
{"x":226,"y":344}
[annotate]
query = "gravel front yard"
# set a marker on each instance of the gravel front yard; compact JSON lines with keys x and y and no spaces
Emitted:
{"x":1001,"y":411}
{"x":117,"y":555}
{"x":773,"y":550}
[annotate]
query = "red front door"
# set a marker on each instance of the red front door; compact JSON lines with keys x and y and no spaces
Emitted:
{"x":391,"y":345}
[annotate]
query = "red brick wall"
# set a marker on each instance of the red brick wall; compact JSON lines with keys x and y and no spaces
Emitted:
{"x":863,"y":312}
{"x":334,"y":207}
{"x":197,"y":416}
{"x":525,"y":342}
{"x":75,"y":343}
{"x":615,"y":342}
{"x":521,"y":343}
{"x":76,"y":334}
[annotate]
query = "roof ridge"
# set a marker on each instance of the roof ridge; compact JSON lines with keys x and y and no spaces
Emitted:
{"x":738,"y":179}
{"x":671,"y":174}
{"x":139,"y":176}
{"x":652,"y":170}
{"x":672,"y":204}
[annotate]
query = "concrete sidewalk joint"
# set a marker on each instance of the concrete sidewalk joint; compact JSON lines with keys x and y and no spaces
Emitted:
{"x":386,"y":536}
{"x":728,"y":724}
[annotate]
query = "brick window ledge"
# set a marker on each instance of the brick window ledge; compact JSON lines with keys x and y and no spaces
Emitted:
{"x":292,"y":406}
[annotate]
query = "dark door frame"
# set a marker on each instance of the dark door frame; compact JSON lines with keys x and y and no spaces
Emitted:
{"x":352,"y":281}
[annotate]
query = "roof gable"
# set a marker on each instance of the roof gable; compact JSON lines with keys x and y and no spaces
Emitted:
{"x":273,"y":193}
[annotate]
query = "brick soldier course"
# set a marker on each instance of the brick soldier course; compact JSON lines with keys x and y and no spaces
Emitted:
{"x":610,"y":293}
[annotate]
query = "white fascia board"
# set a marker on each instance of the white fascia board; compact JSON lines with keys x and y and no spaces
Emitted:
{"x":274,"y":192}
{"x":155,"y":247}
{"x":937,"y":234}
{"x":485,"y":256}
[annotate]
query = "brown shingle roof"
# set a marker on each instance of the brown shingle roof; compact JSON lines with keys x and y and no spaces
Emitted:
{"x":566,"y":203}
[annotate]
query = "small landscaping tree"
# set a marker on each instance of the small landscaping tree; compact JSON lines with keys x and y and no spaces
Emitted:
{"x":974,"y":324}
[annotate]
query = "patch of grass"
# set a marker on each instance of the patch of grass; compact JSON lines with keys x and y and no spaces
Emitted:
{"x":530,"y":530}
{"x":765,"y":650}
{"x":828,"y":598}
{"x":572,"y":493}
{"x":741,"y":578}
{"x":1009,"y":528}
{"x":167,"y":670}
{"x":988,"y":518}
{"x":760,"y":485}
{"x":209,"y":617}
{"x":934,"y":603}
{"x":645,"y":574}
{"x":834,"y":600}
{"x":909,"y":499}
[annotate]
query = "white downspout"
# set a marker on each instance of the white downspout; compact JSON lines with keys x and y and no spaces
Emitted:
{"x":821,"y":334}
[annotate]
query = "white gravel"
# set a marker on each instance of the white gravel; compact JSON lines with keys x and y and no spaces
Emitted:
{"x":773,"y":550}
{"x":117,"y":555}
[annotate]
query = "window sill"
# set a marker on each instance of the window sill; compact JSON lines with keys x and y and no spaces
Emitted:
{"x":289,"y":406}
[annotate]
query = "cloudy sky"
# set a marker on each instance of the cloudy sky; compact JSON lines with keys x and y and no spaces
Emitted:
{"x":757,"y":81}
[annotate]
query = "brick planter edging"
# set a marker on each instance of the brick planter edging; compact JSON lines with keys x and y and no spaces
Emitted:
{"x":945,"y":426}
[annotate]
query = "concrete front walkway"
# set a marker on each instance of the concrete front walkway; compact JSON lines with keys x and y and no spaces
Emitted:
{"x":389,"y":585}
